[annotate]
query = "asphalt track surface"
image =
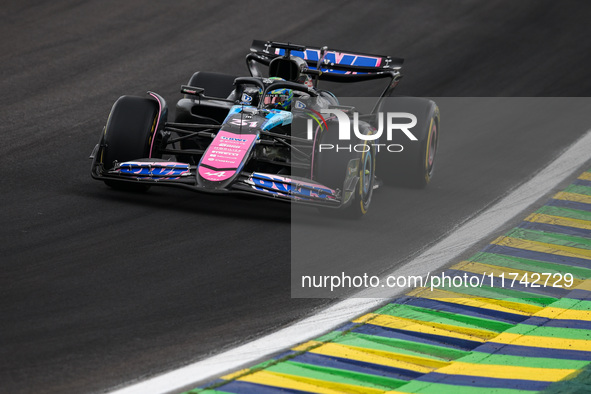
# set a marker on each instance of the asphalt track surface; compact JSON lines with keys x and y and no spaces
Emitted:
{"x":99,"y":288}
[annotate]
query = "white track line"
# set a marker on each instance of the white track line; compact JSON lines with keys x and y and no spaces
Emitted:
{"x":430,"y":260}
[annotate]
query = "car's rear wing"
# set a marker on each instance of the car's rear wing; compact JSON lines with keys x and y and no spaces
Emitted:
{"x":329,"y":64}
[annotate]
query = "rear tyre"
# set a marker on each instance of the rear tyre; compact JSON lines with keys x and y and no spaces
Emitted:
{"x":214,"y":84}
{"x":192,"y":110}
{"x":413,"y":167}
{"x":128,"y":135}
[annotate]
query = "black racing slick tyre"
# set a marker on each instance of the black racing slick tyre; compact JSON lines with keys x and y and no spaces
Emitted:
{"x":192,"y":109}
{"x":365,"y":185}
{"x":332,"y":168}
{"x":413,"y":166}
{"x":213,"y":84}
{"x":128,"y":135}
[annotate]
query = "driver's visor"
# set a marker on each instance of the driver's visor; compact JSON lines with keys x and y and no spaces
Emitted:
{"x":277,"y":99}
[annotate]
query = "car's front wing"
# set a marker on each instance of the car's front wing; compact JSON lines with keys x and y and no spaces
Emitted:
{"x":177,"y":174}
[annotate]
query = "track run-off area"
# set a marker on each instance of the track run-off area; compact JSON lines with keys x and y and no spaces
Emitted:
{"x":504,"y":330}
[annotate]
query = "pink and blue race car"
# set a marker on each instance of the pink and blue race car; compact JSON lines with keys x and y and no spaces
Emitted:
{"x":275,"y":133}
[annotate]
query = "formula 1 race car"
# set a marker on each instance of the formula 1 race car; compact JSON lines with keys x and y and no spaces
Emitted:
{"x":275,"y":133}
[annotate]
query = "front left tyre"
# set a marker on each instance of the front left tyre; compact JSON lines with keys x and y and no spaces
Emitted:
{"x":335,"y":168}
{"x":364,"y":191}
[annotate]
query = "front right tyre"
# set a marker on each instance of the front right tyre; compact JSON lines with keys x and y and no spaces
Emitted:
{"x":128,"y":135}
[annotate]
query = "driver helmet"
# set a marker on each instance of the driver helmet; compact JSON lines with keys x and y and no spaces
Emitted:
{"x":279,"y":98}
